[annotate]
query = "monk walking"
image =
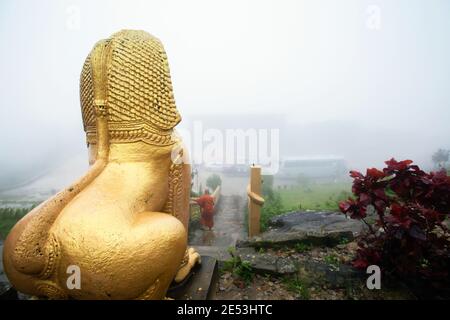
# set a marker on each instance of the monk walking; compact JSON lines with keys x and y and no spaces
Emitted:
{"x":206,"y":203}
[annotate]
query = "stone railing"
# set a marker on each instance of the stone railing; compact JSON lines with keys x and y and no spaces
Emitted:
{"x":216,"y":195}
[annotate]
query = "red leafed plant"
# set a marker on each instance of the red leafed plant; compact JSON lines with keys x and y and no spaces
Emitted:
{"x":408,"y":237}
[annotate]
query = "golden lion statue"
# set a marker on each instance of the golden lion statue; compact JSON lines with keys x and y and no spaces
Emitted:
{"x":124,"y":223}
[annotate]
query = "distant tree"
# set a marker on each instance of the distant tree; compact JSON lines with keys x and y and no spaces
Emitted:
{"x":440,"y":158}
{"x":213,"y":181}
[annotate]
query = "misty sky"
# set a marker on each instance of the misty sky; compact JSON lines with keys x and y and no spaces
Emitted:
{"x":347,"y":84}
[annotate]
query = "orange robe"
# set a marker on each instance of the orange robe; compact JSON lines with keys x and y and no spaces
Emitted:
{"x":206,"y":203}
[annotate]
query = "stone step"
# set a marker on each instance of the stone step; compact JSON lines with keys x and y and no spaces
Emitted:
{"x":200,"y":284}
{"x":219,"y":253}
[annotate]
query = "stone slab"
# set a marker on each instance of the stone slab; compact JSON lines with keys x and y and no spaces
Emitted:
{"x":220,"y":253}
{"x":314,"y":228}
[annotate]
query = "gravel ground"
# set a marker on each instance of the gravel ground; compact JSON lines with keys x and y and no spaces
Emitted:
{"x":270,"y":287}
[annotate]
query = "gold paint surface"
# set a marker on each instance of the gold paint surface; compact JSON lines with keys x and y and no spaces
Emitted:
{"x":124,"y":223}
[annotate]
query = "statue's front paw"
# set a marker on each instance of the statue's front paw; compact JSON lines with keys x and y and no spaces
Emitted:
{"x":191,"y":259}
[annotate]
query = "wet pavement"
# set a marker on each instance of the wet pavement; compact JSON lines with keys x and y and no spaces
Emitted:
{"x":229,"y":224}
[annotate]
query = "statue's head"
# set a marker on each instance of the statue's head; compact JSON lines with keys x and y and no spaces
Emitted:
{"x":128,"y":75}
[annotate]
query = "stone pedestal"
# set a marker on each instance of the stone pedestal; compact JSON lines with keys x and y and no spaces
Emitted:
{"x":7,"y":292}
{"x":200,"y":284}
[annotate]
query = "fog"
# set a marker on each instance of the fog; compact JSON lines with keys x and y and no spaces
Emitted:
{"x":363,"y":80}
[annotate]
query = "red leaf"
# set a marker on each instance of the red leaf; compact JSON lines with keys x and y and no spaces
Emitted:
{"x":380,"y":193}
{"x":398,"y":165}
{"x":380,"y":206}
{"x":358,"y":212}
{"x":375,"y":173}
{"x":396,"y":210}
{"x":344,"y":206}
{"x":360,"y":263}
{"x":364,"y":199}
{"x":356,"y":174}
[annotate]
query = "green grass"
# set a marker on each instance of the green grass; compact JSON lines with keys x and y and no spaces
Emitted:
{"x":297,"y":285}
{"x":344,"y":241}
{"x":332,"y":260}
{"x":302,"y":247}
{"x":319,"y":197}
{"x":272,"y":207}
{"x":240,"y":268}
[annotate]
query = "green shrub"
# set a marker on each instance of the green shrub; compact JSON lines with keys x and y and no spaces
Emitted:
{"x":273,"y":205}
{"x":332,"y":260}
{"x":195,"y":213}
{"x":302,"y":247}
{"x":240,"y":268}
{"x":298,"y":286}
